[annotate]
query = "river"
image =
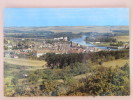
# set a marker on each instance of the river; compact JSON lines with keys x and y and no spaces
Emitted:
{"x":82,"y":41}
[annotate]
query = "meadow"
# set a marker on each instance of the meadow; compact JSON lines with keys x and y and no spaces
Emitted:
{"x":25,"y":62}
{"x":123,"y":38}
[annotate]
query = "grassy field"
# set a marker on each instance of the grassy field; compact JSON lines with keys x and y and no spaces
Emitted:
{"x":102,"y":44}
{"x":25,"y":62}
{"x":122,"y":38}
{"x":114,"y":63}
{"x":22,"y":66}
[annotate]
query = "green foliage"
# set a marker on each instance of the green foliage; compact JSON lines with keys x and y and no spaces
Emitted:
{"x":33,"y":78}
{"x":49,"y":88}
{"x":59,"y":79}
{"x":14,"y":81}
{"x":100,"y":39}
{"x":62,"y":60}
{"x":119,"y":43}
{"x":78,"y":68}
{"x":106,"y":82}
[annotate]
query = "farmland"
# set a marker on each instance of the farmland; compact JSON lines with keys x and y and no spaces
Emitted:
{"x":116,"y":63}
{"x":123,"y":38}
{"x":25,"y":62}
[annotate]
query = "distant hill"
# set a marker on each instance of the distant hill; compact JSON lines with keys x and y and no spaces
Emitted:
{"x":58,"y":29}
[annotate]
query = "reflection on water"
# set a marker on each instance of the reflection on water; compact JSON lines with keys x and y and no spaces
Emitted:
{"x":82,"y":41}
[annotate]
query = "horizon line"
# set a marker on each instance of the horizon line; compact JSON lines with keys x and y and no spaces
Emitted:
{"x":66,"y":26}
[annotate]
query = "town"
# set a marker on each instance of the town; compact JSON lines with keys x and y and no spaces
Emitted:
{"x":24,"y":48}
{"x":34,"y":48}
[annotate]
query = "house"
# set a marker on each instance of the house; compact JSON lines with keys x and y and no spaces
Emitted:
{"x":65,"y":39}
{"x":9,"y":53}
{"x":45,"y":51}
{"x":42,"y":52}
{"x":76,"y":50}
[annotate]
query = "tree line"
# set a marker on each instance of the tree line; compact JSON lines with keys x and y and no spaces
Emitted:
{"x":101,"y":39}
{"x":62,"y":60}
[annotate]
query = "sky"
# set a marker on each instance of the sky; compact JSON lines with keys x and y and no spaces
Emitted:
{"x":20,"y":17}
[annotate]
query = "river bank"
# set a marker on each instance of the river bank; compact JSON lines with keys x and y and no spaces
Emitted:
{"x":82,"y":41}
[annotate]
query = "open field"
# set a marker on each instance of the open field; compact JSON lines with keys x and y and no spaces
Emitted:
{"x":114,"y":63}
{"x":25,"y":62}
{"x":102,"y":44}
{"x":122,"y":38}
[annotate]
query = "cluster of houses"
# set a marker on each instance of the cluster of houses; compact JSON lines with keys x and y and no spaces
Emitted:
{"x":38,"y":48}
{"x":20,"y":53}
